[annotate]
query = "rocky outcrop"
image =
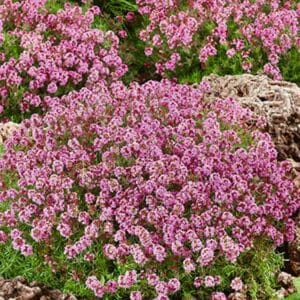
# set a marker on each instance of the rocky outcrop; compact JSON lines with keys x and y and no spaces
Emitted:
{"x":19,"y":289}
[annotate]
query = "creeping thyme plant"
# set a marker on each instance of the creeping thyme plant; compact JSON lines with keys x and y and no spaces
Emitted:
{"x":117,"y":188}
{"x":250,"y":35}
{"x":53,"y":54}
{"x":154,"y":180}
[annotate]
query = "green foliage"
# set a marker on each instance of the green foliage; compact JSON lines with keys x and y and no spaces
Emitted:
{"x":10,"y":46}
{"x":261,"y":264}
{"x":33,"y":268}
{"x":140,"y":67}
{"x":221,"y":65}
{"x":101,"y":23}
{"x":190,"y":70}
{"x":116,"y":7}
{"x":1,"y":149}
{"x":290,"y":66}
{"x":256,"y":267}
{"x":54,"y":6}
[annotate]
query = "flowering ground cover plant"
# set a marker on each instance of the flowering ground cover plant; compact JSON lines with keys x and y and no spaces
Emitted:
{"x":45,"y":55}
{"x":47,"y":50}
{"x":144,"y":191}
{"x":147,"y":192}
{"x":237,"y":36}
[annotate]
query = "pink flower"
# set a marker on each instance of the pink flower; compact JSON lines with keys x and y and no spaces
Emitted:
{"x":136,"y":295}
{"x":110,"y":251}
{"x":52,"y":88}
{"x":162,"y":288}
{"x":209,"y":281}
{"x":130,"y":16}
{"x":206,"y":257}
{"x":198,"y":282}
{"x":218,"y":296}
{"x":152,"y":279}
{"x":237,"y":284}
{"x":189,"y":265}
{"x":122,"y":34}
{"x":246,"y":65}
{"x":159,"y":252}
{"x":111,"y":286}
{"x":89,"y":256}
{"x":173,"y":285}
{"x":128,"y":279}
{"x":148,"y":51}
{"x":3,"y":237}
{"x":161,"y":297}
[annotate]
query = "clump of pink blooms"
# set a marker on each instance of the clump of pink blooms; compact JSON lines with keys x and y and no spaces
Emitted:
{"x":156,"y":175}
{"x":57,"y":52}
{"x":173,"y":31}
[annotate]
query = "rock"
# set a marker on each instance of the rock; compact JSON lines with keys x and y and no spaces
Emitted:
{"x":6,"y":130}
{"x":7,"y":288}
{"x":286,"y":279}
{"x":281,"y":294}
{"x":295,"y":171}
{"x":277,"y":101}
{"x":237,"y":296}
{"x":19,"y":289}
{"x":56,"y":294}
{"x":71,"y":297}
{"x":294,"y":250}
{"x":20,"y":279}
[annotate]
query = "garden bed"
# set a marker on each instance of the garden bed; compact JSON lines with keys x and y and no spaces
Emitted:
{"x":128,"y":170}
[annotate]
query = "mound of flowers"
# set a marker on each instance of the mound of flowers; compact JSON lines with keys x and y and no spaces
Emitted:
{"x":44,"y":54}
{"x":182,"y":32}
{"x":167,"y":189}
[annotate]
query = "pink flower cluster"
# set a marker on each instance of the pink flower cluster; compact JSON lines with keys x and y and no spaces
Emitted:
{"x":124,"y":281}
{"x":19,"y":243}
{"x":175,"y":26}
{"x":58,"y":52}
{"x":157,"y":174}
